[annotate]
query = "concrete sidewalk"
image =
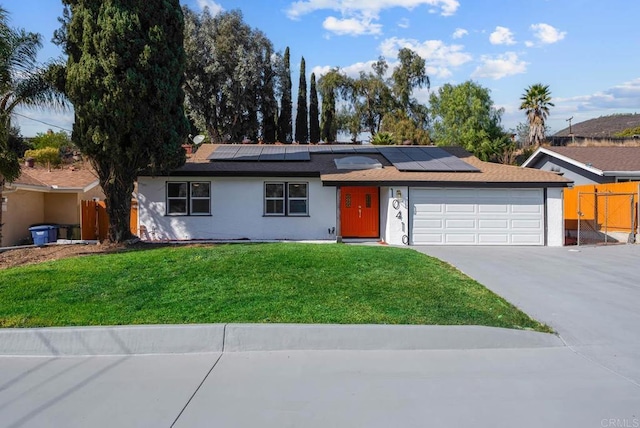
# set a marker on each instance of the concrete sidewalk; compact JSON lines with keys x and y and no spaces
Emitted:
{"x":303,"y":375}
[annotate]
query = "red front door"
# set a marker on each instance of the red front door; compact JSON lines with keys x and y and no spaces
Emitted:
{"x":359,"y":212}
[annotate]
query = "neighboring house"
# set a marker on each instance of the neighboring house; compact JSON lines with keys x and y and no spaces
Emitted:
{"x":589,"y":165}
{"x":398,"y":194}
{"x":40,"y":196}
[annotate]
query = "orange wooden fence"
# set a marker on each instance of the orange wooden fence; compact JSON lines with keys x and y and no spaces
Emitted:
{"x":615,"y":205}
{"x":95,"y":220}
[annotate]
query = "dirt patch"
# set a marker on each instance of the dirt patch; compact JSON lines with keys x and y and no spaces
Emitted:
{"x":33,"y":255}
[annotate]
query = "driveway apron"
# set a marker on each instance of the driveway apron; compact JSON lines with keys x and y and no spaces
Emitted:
{"x":589,"y":295}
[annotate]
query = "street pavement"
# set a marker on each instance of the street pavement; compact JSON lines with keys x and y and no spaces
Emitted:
{"x":357,"y":376}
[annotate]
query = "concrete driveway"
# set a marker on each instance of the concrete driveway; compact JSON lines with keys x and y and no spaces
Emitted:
{"x":589,"y":295}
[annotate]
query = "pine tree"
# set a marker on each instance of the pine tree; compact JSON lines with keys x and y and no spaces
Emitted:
{"x":302,"y":115}
{"x":131,"y":119}
{"x":285,"y":131}
{"x":314,"y":124}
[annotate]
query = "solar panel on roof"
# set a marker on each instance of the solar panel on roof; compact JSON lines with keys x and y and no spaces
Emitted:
{"x":224,"y":153}
{"x":342,"y":149}
{"x":248,"y":153}
{"x":296,"y":153}
{"x":432,"y":159}
{"x":272,"y":153}
{"x":366,"y":149}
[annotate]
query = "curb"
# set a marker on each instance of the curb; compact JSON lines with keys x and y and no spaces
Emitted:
{"x":218,"y":338}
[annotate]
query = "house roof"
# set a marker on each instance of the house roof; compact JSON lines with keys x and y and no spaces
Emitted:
{"x":610,"y":160}
{"x":68,"y":179}
{"x":322,"y":164}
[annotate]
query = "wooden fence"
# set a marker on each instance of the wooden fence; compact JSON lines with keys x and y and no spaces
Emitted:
{"x":95,"y":220}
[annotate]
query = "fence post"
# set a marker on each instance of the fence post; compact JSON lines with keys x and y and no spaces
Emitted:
{"x":606,"y":217}
{"x":579,"y":216}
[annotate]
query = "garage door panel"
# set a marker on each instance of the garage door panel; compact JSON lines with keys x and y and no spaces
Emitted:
{"x":526,"y":224}
{"x":526,"y":209}
{"x":461,"y":238}
{"x":460,"y":208}
{"x":493,"y":239}
{"x":429,"y":224}
{"x":526,"y":239}
{"x":493,"y":208}
{"x":477,"y":216}
{"x":460,"y":223}
{"x":502,"y":224}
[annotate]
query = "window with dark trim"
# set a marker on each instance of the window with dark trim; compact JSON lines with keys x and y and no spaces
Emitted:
{"x":188,"y":198}
{"x":286,"y":199}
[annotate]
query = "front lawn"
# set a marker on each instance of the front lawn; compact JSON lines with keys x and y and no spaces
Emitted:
{"x":254,"y":283}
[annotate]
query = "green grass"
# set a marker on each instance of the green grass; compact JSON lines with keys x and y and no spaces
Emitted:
{"x":254,"y":283}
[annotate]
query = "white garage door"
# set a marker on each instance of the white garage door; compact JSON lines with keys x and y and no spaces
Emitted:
{"x":477,"y":216}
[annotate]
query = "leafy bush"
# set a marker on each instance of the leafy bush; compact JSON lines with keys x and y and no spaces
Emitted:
{"x":46,"y":156}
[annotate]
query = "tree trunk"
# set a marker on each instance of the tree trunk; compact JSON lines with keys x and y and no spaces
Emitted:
{"x":118,"y":200}
{"x":1,"y":224}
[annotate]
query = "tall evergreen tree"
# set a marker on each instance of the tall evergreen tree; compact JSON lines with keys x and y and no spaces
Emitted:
{"x":314,"y":113}
{"x":285,"y":131}
{"x":269,"y":107}
{"x":302,"y":115}
{"x":124,"y":73}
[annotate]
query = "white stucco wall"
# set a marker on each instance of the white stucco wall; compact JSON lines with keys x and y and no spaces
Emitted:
{"x":394,"y":217}
{"x":237,"y":212}
{"x":555,"y":217}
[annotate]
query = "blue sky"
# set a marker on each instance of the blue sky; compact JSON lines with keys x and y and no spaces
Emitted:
{"x":586,"y":51}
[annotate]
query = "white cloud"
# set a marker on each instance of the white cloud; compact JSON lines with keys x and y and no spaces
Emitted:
{"x":623,"y":96}
{"x":367,"y":7}
{"x":502,"y":36}
{"x":546,"y":34}
{"x":363,"y":13}
{"x":404,"y":23}
{"x":214,"y":8}
{"x":351,"y":26}
{"x":459,"y":33}
{"x":439,"y":57}
{"x":499,"y":66}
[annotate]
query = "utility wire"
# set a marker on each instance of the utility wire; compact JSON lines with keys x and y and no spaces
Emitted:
{"x":40,"y":121}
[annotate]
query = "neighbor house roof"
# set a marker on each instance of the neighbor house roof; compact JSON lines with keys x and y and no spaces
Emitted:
{"x":67,"y":179}
{"x":321,"y":164}
{"x":603,"y":161}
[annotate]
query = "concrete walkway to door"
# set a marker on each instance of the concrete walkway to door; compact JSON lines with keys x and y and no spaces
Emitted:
{"x":589,"y":295}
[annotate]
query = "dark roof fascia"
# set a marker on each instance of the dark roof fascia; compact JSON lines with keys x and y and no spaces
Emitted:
{"x":238,"y":174}
{"x":459,"y":184}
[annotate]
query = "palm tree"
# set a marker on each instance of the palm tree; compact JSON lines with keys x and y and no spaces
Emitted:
{"x":536,"y":102}
{"x":23,"y":83}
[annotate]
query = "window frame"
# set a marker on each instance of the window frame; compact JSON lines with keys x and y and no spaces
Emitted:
{"x":188,"y":199}
{"x":286,"y":199}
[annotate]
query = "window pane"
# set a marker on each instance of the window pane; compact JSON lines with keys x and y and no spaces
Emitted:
{"x":177,"y":190}
{"x":368,"y":200}
{"x":274,"y":190}
{"x":298,"y":206}
{"x":177,"y":206}
{"x":200,"y":190}
{"x":200,"y":206}
{"x":297,"y":190}
{"x":275,"y":207}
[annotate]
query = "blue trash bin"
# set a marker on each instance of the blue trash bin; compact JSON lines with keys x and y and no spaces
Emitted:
{"x":42,"y":235}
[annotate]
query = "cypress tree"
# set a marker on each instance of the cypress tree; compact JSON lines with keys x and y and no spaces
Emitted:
{"x":302,"y":115}
{"x":285,"y":131}
{"x":314,"y":124}
{"x":125,"y":72}
{"x":269,"y":108}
